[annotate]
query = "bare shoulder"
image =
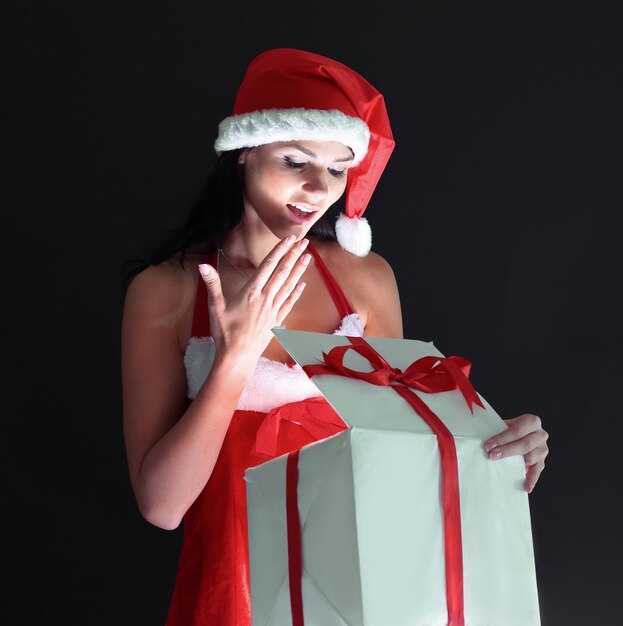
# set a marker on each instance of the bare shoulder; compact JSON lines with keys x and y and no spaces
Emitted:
{"x":162,"y":295}
{"x":159,"y":286}
{"x":370,"y":272}
{"x":370,"y":286}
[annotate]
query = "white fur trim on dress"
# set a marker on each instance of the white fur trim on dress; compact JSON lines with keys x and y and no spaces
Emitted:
{"x":258,"y":128}
{"x":354,"y":234}
{"x":272,"y":384}
{"x":351,"y":326}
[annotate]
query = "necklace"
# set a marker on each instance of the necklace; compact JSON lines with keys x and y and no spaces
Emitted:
{"x":218,"y":256}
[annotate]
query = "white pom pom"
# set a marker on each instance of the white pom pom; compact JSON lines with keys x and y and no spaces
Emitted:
{"x":354,"y":234}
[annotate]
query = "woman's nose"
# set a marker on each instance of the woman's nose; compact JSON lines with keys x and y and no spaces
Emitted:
{"x":315,"y":183}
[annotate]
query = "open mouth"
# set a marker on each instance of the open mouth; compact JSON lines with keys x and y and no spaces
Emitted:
{"x":302,"y":212}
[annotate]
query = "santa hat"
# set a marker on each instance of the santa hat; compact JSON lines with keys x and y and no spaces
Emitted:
{"x":289,"y":94}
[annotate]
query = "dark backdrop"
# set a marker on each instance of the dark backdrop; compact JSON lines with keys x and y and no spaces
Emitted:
{"x":498,"y":211}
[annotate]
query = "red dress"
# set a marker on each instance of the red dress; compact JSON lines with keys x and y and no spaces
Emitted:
{"x":212,"y":584}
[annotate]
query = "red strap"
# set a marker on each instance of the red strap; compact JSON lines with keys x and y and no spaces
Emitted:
{"x":201,"y":318}
{"x":341,"y":303}
{"x":295,"y":565}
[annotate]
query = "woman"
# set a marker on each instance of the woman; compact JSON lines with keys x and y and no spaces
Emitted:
{"x":201,"y":370}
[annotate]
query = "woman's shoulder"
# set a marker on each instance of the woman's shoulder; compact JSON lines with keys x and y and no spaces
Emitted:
{"x":168,"y":277}
{"x":164,"y":293}
{"x":369,"y":271}
{"x":370,"y":286}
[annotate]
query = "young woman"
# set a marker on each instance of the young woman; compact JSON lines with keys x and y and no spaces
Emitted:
{"x":201,"y":370}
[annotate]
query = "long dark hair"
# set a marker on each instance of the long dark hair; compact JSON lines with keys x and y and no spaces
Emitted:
{"x":217,"y":211}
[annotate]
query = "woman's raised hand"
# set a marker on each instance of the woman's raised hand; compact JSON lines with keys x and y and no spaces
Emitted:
{"x":525,"y":436}
{"x":244,"y":323}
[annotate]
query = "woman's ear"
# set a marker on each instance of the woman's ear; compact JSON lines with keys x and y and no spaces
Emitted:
{"x":243,"y":156}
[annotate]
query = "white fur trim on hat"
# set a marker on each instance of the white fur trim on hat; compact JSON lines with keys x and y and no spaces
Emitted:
{"x":354,"y":234}
{"x":261,"y":127}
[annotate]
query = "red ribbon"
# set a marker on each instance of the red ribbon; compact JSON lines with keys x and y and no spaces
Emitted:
{"x":295,"y":549}
{"x":429,"y":374}
{"x":305,"y":413}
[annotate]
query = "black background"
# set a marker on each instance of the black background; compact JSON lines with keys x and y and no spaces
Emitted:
{"x":499,"y":211}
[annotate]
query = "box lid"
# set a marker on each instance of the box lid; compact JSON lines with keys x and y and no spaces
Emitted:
{"x":364,"y":405}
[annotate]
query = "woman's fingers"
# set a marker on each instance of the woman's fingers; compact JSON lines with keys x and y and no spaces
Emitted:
{"x":277,"y":269}
{"x":292,"y":280}
{"x":525,"y":436}
{"x":532,"y":475}
{"x":266,"y":268}
{"x":287,"y":274}
{"x":517,"y":427}
{"x":290,"y":301}
{"x":536,"y":455}
{"x":216,"y":300}
{"x":522,"y":445}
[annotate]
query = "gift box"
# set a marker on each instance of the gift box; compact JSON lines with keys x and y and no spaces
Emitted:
{"x":401,"y":519}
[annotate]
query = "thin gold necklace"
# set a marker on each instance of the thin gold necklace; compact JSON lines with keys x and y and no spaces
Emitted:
{"x":222,"y":253}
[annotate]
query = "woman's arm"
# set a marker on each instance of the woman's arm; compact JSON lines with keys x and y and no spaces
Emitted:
{"x":171,"y":451}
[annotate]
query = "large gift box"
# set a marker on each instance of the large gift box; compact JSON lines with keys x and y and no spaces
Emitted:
{"x":401,"y":520}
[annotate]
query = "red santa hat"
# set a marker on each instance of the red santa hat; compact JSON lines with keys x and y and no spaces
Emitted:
{"x":289,"y":94}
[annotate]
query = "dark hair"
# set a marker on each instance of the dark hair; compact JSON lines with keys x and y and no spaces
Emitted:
{"x":216,"y":212}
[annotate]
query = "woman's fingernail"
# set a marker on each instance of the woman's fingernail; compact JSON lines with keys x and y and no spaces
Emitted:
{"x":490,"y":445}
{"x":290,"y":238}
{"x":495,"y":455}
{"x":306,"y":259}
{"x":204,"y":269}
{"x":303,"y":243}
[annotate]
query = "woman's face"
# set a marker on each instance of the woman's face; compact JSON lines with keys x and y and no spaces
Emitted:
{"x":289,"y":185}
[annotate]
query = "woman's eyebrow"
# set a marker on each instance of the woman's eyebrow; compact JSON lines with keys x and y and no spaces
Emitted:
{"x":313,"y":155}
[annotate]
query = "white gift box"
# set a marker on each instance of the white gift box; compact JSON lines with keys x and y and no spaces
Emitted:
{"x":370,"y":506}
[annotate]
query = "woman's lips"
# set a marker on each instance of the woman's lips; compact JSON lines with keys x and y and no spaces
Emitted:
{"x":299,"y":216}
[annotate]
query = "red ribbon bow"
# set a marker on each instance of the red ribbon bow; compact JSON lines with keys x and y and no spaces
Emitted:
{"x":429,"y":374}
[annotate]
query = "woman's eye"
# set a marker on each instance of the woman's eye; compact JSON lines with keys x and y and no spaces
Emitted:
{"x":301,"y":164}
{"x":291,"y":163}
